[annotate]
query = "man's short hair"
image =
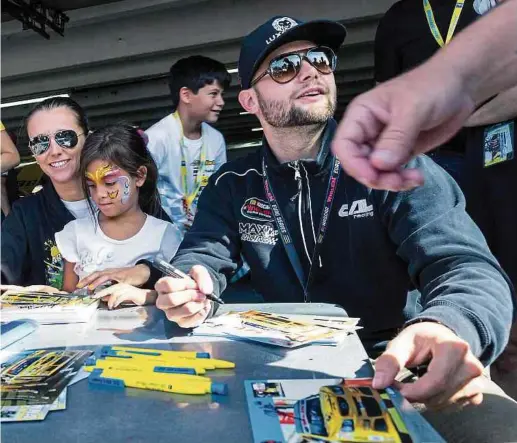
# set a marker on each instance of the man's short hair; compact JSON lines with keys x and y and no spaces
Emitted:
{"x":195,"y":72}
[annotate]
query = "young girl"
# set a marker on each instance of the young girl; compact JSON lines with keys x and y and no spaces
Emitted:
{"x":119,"y":175}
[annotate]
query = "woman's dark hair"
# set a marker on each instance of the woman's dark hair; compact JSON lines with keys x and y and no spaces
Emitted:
{"x":61,"y":102}
{"x":122,"y":145}
{"x":195,"y":72}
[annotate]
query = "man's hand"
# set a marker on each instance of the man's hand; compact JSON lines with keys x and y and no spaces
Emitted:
{"x":453,"y":374}
{"x":384,"y":128}
{"x":134,"y":275}
{"x":183,"y":300}
{"x":122,"y":292}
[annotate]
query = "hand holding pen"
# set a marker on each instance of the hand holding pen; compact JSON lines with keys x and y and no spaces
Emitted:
{"x":185,"y":300}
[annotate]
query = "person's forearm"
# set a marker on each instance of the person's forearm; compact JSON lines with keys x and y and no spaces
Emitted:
{"x":500,"y":108}
{"x":4,"y":197}
{"x":9,"y":160}
{"x":10,"y":156}
{"x":485,"y":54}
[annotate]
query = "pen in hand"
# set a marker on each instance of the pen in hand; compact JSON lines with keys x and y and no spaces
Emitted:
{"x":171,"y":271}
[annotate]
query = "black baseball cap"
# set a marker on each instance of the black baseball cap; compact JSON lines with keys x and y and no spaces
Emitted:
{"x":280,"y":30}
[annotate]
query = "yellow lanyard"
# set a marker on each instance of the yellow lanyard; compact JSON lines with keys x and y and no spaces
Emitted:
{"x":452,"y":25}
{"x":190,"y":197}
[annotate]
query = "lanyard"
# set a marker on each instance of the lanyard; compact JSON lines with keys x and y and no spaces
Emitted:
{"x":190,"y":197}
{"x":282,"y":226}
{"x":452,"y":25}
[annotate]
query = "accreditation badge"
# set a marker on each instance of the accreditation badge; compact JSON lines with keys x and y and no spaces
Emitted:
{"x":498,"y":143}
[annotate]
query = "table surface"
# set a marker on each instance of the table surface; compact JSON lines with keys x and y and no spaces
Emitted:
{"x":137,"y":415}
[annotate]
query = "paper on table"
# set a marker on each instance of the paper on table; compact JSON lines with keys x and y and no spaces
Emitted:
{"x":282,"y":330}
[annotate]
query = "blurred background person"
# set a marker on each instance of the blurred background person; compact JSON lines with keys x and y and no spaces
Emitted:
{"x":10,"y":158}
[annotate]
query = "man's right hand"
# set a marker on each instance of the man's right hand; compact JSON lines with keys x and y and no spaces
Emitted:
{"x":183,"y":300}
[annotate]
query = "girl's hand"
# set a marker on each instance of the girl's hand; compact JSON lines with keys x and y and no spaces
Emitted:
{"x":134,"y":275}
{"x":33,"y":288}
{"x":122,"y":292}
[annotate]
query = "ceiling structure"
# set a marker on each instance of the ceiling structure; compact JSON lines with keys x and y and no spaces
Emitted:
{"x":115,"y":56}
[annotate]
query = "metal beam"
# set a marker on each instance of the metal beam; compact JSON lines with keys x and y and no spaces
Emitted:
{"x":146,"y":44}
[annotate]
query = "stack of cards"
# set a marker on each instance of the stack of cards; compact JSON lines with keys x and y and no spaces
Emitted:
{"x":287,"y":331}
{"x":34,"y":382}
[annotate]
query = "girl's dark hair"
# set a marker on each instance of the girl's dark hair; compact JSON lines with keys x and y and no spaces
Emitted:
{"x":122,"y":145}
{"x":61,"y":102}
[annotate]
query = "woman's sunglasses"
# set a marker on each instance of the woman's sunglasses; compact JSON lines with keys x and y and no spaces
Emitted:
{"x":66,"y":138}
{"x":285,"y":67}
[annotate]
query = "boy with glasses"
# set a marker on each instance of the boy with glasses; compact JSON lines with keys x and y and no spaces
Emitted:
{"x":311,"y":233}
{"x":185,"y":147}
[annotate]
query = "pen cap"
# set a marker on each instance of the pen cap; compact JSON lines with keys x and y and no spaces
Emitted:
{"x":219,"y":388}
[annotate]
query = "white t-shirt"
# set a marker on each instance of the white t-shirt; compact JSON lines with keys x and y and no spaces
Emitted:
{"x":82,"y":242}
{"x":164,"y":145}
{"x":79,"y":209}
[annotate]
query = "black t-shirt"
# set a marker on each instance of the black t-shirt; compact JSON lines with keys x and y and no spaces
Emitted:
{"x":404,"y":41}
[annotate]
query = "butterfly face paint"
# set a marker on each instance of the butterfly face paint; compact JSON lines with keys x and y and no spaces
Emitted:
{"x":113,"y":194}
{"x":109,"y":175}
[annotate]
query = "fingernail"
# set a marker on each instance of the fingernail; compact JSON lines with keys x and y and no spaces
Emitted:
{"x":413,"y":183}
{"x":200,"y":297}
{"x":79,"y":285}
{"x":91,"y":287}
{"x":380,"y":380}
{"x":386,"y":156}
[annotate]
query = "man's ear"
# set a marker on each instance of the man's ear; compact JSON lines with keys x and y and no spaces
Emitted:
{"x":185,"y":95}
{"x":249,"y":101}
{"x":141,"y":176}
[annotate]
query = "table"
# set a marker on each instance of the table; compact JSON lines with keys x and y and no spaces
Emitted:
{"x":139,"y":416}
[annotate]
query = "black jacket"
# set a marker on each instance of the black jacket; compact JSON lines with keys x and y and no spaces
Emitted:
{"x":29,"y":252}
{"x":379,"y":245}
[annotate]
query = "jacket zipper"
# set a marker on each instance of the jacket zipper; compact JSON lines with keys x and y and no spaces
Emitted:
{"x":301,"y":200}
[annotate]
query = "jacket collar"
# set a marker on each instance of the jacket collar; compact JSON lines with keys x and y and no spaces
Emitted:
{"x":320,"y":165}
{"x":54,"y":203}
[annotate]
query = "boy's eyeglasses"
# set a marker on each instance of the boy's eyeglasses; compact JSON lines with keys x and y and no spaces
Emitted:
{"x":66,"y":138}
{"x":286,"y":67}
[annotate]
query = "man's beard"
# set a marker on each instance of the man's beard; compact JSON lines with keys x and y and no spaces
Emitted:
{"x":284,"y":114}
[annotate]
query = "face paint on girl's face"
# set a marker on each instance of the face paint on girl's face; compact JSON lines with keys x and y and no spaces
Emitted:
{"x":109,"y":186}
{"x":113,"y":195}
{"x":124,"y":181}
{"x":101,"y":172}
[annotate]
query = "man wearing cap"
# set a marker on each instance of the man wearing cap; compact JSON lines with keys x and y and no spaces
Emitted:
{"x":310,"y":233}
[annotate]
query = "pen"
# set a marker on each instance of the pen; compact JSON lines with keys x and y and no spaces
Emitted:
{"x":167,"y":383}
{"x":151,"y":373}
{"x":171,"y":271}
{"x":151,"y":352}
{"x":166,"y":360}
{"x":138,"y":364}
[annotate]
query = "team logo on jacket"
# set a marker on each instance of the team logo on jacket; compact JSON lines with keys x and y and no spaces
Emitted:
{"x":256,"y":209}
{"x":358,"y":209}
{"x":257,"y":233}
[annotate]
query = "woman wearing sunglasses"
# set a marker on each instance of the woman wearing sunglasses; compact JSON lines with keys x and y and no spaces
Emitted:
{"x":57,"y":129}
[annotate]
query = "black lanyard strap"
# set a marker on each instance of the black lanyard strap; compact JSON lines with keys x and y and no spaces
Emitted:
{"x":285,"y":236}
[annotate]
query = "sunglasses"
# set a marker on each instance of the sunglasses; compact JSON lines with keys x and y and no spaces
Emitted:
{"x":67,"y":138}
{"x":285,"y":67}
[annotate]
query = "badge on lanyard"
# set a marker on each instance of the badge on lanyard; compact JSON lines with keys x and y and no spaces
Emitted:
{"x":200,"y":180}
{"x":452,"y":24}
{"x":498,"y":143}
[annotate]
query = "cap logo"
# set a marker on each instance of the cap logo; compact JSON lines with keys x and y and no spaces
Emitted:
{"x":281,"y":25}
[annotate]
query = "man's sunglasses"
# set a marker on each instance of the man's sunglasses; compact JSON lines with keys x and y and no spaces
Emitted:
{"x":67,"y":138}
{"x":285,"y":67}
